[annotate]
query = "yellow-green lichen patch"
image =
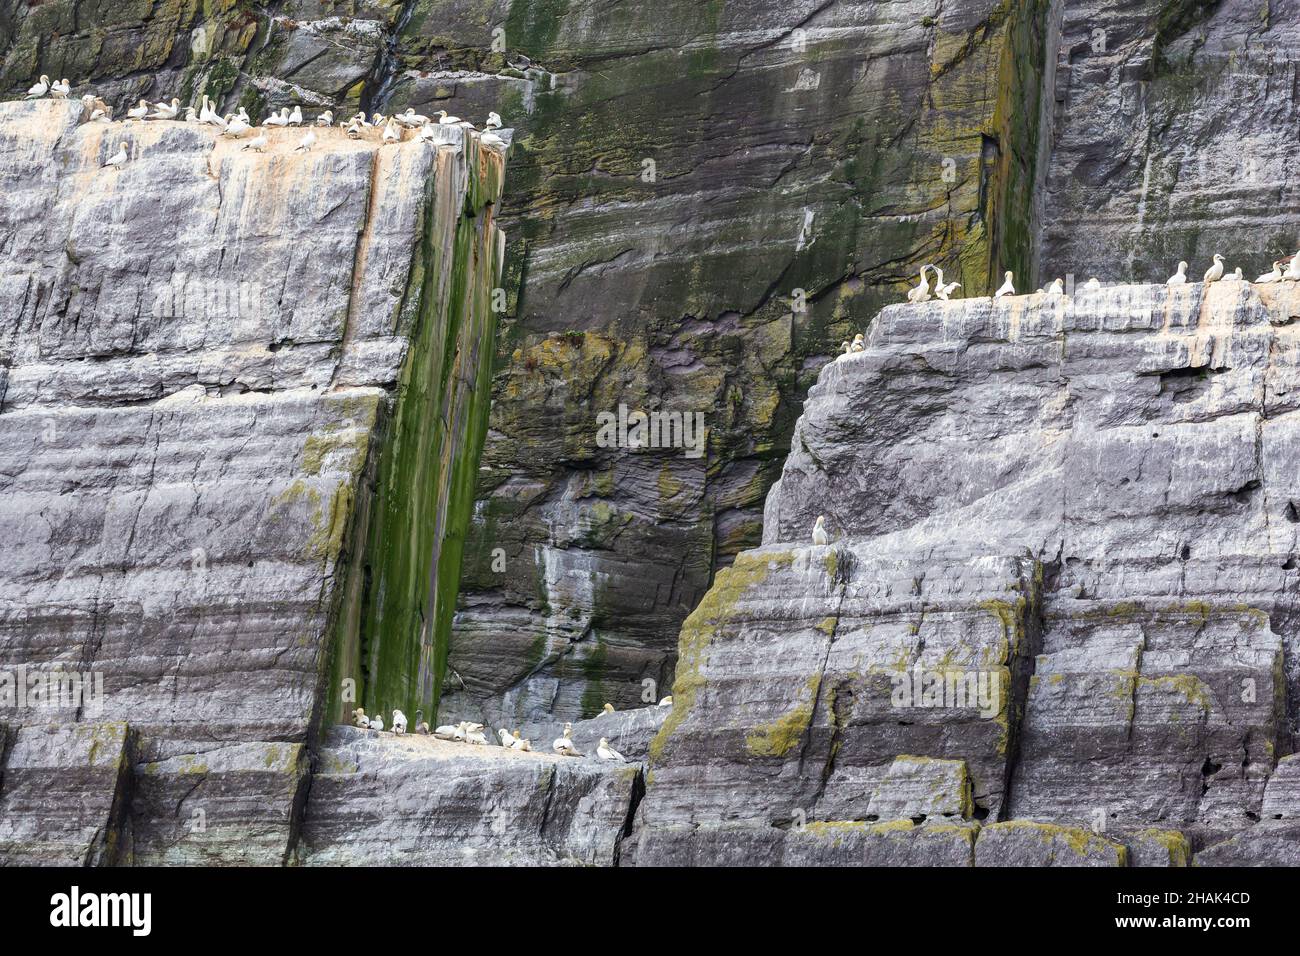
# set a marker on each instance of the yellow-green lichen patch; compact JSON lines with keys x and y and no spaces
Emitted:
{"x":777,"y":738}
{"x":1174,"y":842}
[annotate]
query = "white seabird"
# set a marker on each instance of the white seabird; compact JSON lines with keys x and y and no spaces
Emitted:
{"x":236,"y":127}
{"x":1272,"y":276}
{"x":608,"y":708}
{"x":521,"y":743}
{"x":858,"y":345}
{"x":493,"y":121}
{"x":307,"y":142}
{"x":61,"y":89}
{"x":278,"y":119}
{"x":605,"y":752}
{"x":1006,"y":288}
{"x":410,"y":119}
{"x":921,"y":292}
{"x":450,"y":732}
{"x":295,"y":118}
{"x":1092,"y":285}
{"x":428,"y":132}
{"x":118,"y":159}
{"x":359,"y":719}
{"x":445,"y":120}
{"x":820,"y":537}
{"x":391,"y":133}
{"x":139,"y":111}
{"x":1236,"y":275}
{"x":1215,"y":272}
{"x":399,"y":722}
{"x":1293,"y":268}
{"x":256,"y":144}
{"x":563,"y":745}
{"x":376,"y":722}
{"x":1057,"y":287}
{"x":1179,"y":277}
{"x":492,"y":141}
{"x":166,"y":111}
{"x":667,"y":701}
{"x":325,"y":119}
{"x":39,"y":89}
{"x":474,"y":735}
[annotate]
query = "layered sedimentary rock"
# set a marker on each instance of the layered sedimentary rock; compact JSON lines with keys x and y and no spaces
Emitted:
{"x":419,"y":801}
{"x":226,"y":378}
{"x":1170,"y":137}
{"x":1087,"y":502}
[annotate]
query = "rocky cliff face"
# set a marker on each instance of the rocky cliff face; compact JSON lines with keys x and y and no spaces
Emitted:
{"x":225,"y":378}
{"x":1058,"y":624}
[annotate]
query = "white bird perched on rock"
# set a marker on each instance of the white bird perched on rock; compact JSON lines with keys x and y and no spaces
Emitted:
{"x":857,"y":344}
{"x":325,"y":119}
{"x":521,"y":743}
{"x":820,"y":537}
{"x":410,"y":119}
{"x":845,"y":351}
{"x":446,"y":120}
{"x":139,"y":111}
{"x":376,"y":722}
{"x":1236,"y":276}
{"x":421,"y":725}
{"x":100,"y":115}
{"x":667,"y":701}
{"x":39,"y":89}
{"x":166,"y":111}
{"x":306,"y":143}
{"x":1092,"y":285}
{"x":493,"y":121}
{"x":280,"y":119}
{"x":61,"y":89}
{"x":1179,"y":277}
{"x":428,"y":133}
{"x":449,"y":732}
{"x":1293,"y":268}
{"x":190,"y":115}
{"x":608,"y":708}
{"x":1215,"y":272}
{"x":1056,"y":288}
{"x":1006,"y":288}
{"x":354,"y":131}
{"x":605,"y":752}
{"x":208,"y":113}
{"x":492,"y":141}
{"x":921,"y":291}
{"x":236,"y":128}
{"x":118,"y":159}
{"x":474,"y":735}
{"x":504,"y":736}
{"x":257,"y":143}
{"x":944,"y":291}
{"x":392,"y":134}
{"x":1272,"y":276}
{"x":563,"y":744}
{"x":295,"y":118}
{"x":399,"y":722}
{"x":359,"y":719}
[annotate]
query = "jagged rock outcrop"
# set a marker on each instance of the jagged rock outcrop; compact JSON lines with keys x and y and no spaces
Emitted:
{"x":1087,"y":503}
{"x":377,"y":799}
{"x":242,"y":397}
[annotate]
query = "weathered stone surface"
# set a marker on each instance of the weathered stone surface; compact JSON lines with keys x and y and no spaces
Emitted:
{"x":226,"y":388}
{"x":379,"y":799}
{"x":628,"y":731}
{"x":1151,"y":157}
{"x":1266,"y":844}
{"x":1158,"y":848}
{"x":1282,"y":794}
{"x":1134,"y":446}
{"x":64,"y":790}
{"x":1021,"y":843}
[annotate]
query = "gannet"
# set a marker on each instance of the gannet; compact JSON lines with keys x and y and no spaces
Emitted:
{"x":493,"y":121}
{"x":820,"y":537}
{"x":166,"y":111}
{"x":376,"y":723}
{"x":236,"y":127}
{"x":295,"y":118}
{"x":277,"y":119}
{"x":190,"y":117}
{"x":410,"y":119}
{"x":359,"y":719}
{"x":139,"y":111}
{"x":399,"y":722}
{"x":521,"y":743}
{"x":1006,"y":288}
{"x":921,"y":292}
{"x":354,"y":131}
{"x":325,"y":119}
{"x":845,"y":351}
{"x":506,"y":739}
{"x":449,"y":732}
{"x":40,"y":89}
{"x":391,"y":133}
{"x":474,"y":735}
{"x":666,"y":702}
{"x":608,"y":708}
{"x":208,"y":113}
{"x":1056,"y":288}
{"x":1215,"y":272}
{"x":1092,"y":285}
{"x":943,"y":291}
{"x":1293,"y":268}
{"x":307,"y":142}
{"x":428,"y":132}
{"x":1179,"y":277}
{"x":605,"y":752}
{"x":563,"y":745}
{"x":256,"y":144}
{"x":61,"y":89}
{"x":1236,"y":275}
{"x":858,"y":345}
{"x":1272,"y":276}
{"x":492,"y":141}
{"x":100,"y":115}
{"x":118,"y":159}
{"x":445,"y":120}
